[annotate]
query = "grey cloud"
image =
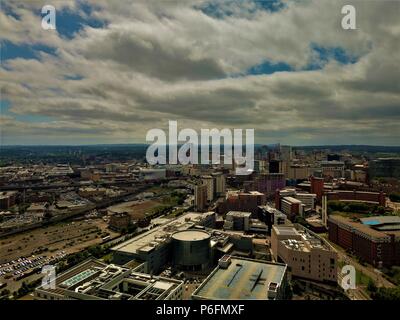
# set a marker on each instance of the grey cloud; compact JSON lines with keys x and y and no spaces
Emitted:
{"x":156,"y":62}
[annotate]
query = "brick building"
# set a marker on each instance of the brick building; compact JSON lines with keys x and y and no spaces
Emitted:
{"x":375,"y":239}
{"x":242,"y":201}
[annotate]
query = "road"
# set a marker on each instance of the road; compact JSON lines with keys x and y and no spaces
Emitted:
{"x":354,"y":294}
{"x":375,"y":275}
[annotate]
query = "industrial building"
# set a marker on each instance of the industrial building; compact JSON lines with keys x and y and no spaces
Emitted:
{"x":307,"y":255}
{"x":241,"y":279}
{"x":95,"y":280}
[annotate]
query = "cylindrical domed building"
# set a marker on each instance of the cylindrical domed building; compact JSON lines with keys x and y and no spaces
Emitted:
{"x":191,"y":249}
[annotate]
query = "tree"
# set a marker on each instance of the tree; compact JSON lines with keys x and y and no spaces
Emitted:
{"x":386,"y":294}
{"x":394,"y":197}
{"x":371,"y":286}
{"x":5,"y":293}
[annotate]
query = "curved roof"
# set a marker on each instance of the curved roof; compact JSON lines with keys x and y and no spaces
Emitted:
{"x":191,"y":235}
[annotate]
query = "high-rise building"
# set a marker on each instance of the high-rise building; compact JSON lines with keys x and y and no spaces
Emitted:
{"x":332,"y":169}
{"x":384,"y":167}
{"x":260,"y":166}
{"x":209,"y":182}
{"x":7,"y":199}
{"x":267,"y":183}
{"x":317,"y":187}
{"x":286,"y":153}
{"x":298,"y":172}
{"x":219,"y":183}
{"x":275,"y":166}
{"x":200,"y":197}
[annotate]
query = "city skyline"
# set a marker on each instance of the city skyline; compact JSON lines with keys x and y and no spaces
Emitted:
{"x":111,"y":71}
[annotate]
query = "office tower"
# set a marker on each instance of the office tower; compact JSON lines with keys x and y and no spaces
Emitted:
{"x":200,"y":197}
{"x":209,"y":182}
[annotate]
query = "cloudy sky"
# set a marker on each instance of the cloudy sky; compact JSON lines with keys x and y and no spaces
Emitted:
{"x":114,"y":69}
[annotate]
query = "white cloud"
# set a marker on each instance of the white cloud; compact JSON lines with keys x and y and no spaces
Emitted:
{"x":158,"y":61}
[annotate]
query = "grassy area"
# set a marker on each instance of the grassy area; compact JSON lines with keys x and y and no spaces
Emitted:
{"x":393,"y":275}
{"x":357,"y":209}
{"x":107,"y":258}
{"x":362,"y":279}
{"x":162,"y":209}
{"x":159,"y":190}
{"x":176,"y":213}
{"x":341,"y":264}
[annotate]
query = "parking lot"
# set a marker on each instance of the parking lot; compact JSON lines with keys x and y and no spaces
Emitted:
{"x":14,"y":271}
{"x":23,"y":255}
{"x":25,"y":265}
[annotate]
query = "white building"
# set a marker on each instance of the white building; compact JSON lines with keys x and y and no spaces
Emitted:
{"x":308,"y":199}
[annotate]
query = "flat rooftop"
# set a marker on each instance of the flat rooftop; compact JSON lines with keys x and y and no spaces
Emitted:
{"x":93,"y":279}
{"x":300,"y":238}
{"x":237,"y":282}
{"x":239,"y":213}
{"x":286,"y":230}
{"x":191,"y":235}
{"x":155,"y":235}
{"x":363,"y":228}
{"x":379,"y":220}
{"x":291,"y":199}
